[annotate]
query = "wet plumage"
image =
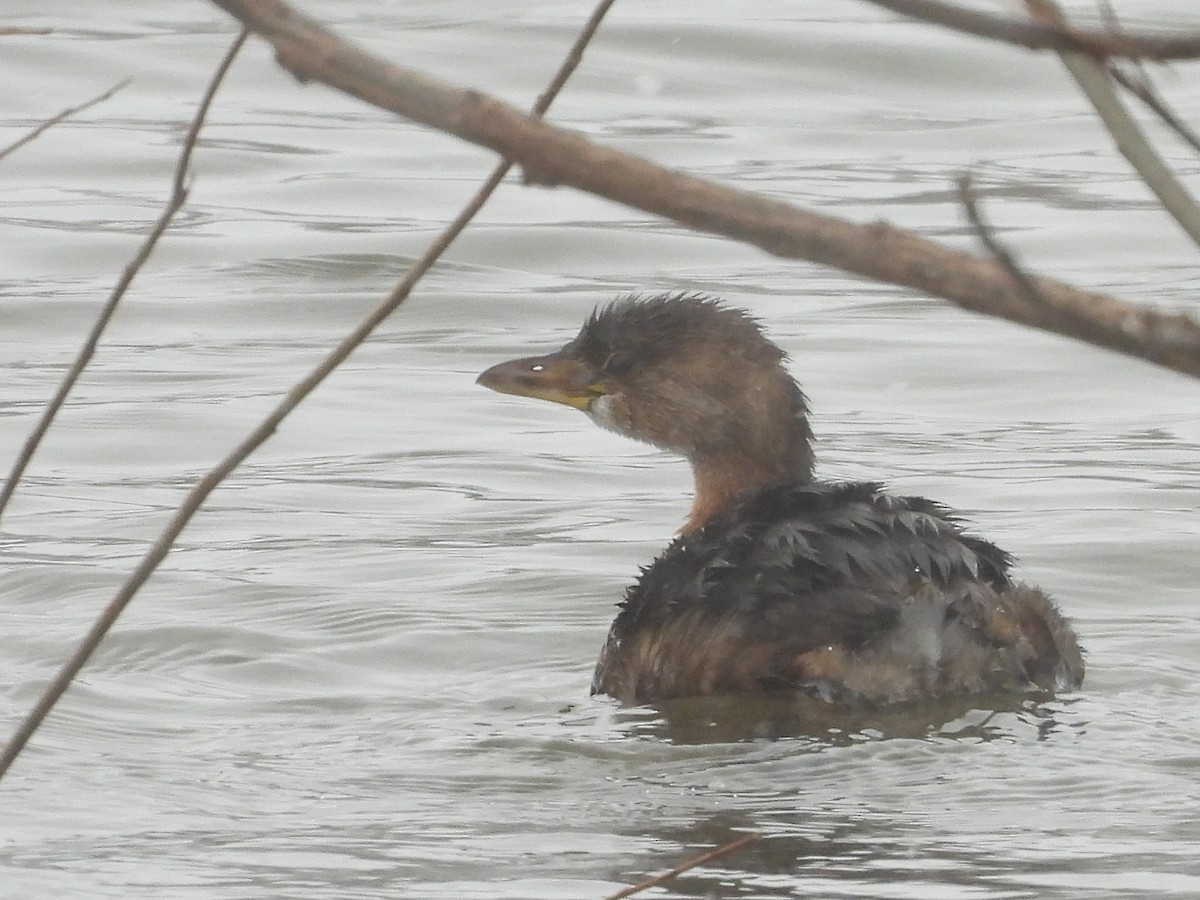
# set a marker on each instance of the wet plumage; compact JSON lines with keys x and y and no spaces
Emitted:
{"x":778,"y":582}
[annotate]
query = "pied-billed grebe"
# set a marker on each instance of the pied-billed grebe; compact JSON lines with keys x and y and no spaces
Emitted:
{"x":778,"y":582}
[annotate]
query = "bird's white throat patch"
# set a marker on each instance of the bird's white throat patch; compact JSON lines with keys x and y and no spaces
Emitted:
{"x":600,"y":412}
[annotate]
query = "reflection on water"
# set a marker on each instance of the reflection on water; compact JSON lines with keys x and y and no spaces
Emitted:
{"x":363,"y":672}
{"x":816,"y":725}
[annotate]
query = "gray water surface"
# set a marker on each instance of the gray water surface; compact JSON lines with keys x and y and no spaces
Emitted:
{"x":363,"y":672}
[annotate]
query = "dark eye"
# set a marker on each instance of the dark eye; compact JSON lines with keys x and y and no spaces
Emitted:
{"x":618,"y":364}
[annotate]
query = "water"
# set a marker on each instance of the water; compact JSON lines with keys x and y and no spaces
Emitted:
{"x":363,"y":672}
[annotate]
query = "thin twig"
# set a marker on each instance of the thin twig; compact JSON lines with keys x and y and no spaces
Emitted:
{"x":1144,"y":92}
{"x":700,"y":860}
{"x":1092,"y":78}
{"x":65,"y":114}
{"x":1112,"y":25}
{"x":1142,"y":87}
{"x":1067,"y":318}
{"x":198,"y":494}
{"x":178,"y":196}
{"x":174,"y":203}
{"x":966,"y":195}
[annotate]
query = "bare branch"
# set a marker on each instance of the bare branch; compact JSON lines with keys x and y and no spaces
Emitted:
{"x":1143,"y":90}
{"x":1024,"y":281}
{"x":65,"y":114}
{"x":1037,"y":36}
{"x":1092,"y":78}
{"x":716,"y":853}
{"x":555,"y":156}
{"x":1141,"y":87}
{"x":198,"y":494}
{"x":966,"y":195}
{"x":177,"y":199}
{"x":1164,"y":329}
{"x":88,"y":645}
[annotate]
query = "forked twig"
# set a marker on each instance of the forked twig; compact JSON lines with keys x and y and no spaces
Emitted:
{"x":1142,"y":88}
{"x":198,"y":494}
{"x":174,"y":203}
{"x":1144,"y":92}
{"x":65,"y":114}
{"x":177,"y":199}
{"x":1093,"y":79}
{"x":700,"y":860}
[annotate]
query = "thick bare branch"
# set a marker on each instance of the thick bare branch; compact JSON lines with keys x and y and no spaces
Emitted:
{"x":554,"y":156}
{"x":1037,"y":36}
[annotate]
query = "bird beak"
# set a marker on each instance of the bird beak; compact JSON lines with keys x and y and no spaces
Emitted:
{"x":556,"y":377}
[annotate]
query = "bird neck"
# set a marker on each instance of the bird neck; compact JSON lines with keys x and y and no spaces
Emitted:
{"x":723,"y":480}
